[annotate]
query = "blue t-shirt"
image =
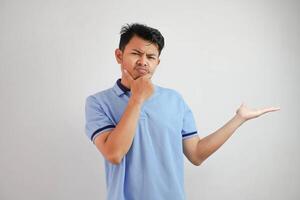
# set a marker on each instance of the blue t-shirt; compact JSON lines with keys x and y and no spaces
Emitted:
{"x":153,"y":168}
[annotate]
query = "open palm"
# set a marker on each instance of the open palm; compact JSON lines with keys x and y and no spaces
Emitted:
{"x":248,"y":113}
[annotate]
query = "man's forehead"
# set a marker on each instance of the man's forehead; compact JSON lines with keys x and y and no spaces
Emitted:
{"x":145,"y":50}
{"x":142,"y":45}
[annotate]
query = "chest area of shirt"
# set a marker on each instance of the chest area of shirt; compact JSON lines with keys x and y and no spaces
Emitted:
{"x":158,"y":115}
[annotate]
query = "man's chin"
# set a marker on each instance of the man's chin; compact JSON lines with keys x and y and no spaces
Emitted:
{"x":141,"y":75}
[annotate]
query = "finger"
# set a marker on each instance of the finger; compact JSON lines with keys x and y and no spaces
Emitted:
{"x":148,"y":76}
{"x":271,"y":109}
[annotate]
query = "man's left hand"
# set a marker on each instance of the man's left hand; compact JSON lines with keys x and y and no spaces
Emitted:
{"x":247,"y":113}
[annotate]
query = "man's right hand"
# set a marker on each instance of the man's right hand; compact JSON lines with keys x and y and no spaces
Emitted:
{"x":141,"y":88}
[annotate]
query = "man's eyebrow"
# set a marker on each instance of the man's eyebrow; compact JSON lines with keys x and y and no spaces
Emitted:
{"x":150,"y":54}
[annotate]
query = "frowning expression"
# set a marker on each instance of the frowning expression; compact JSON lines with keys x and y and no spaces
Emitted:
{"x":140,"y":57}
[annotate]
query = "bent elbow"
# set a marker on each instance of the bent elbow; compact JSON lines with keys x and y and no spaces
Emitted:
{"x":197,"y":162}
{"x":115,"y":159}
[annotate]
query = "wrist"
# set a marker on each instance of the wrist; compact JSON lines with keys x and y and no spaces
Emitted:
{"x":239,"y":118}
{"x":135,"y":101}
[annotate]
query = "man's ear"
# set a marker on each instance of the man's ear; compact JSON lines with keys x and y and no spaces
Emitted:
{"x":158,"y":61}
{"x":119,"y":55}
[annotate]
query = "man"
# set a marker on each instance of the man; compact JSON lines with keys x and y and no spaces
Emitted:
{"x":143,"y":130}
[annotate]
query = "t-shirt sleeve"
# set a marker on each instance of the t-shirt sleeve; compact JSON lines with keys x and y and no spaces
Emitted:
{"x":189,"y":128}
{"x":96,"y":120}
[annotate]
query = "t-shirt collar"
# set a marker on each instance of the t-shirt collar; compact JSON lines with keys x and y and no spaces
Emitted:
{"x":119,"y":88}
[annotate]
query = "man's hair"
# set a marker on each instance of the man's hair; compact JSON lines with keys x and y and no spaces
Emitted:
{"x":145,"y":32}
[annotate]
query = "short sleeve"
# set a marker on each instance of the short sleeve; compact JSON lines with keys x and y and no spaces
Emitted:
{"x":189,"y":128}
{"x":96,"y":120}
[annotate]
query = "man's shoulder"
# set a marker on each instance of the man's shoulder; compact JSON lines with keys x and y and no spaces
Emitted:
{"x":104,"y":92}
{"x":98,"y":96}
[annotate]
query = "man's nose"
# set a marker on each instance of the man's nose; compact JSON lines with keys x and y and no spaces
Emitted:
{"x":142,"y":61}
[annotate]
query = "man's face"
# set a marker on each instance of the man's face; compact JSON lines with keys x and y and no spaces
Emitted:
{"x":139,"y":57}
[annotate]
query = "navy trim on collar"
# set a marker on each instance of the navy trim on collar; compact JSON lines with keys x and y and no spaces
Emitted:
{"x":122,"y":87}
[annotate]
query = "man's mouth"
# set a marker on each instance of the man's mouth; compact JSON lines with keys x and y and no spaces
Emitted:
{"x":142,"y":70}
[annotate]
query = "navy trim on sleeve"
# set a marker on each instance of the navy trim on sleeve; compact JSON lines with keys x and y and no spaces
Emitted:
{"x":187,"y":134}
{"x":101,"y":129}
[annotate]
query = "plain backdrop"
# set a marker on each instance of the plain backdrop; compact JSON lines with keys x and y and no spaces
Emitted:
{"x":53,"y":54}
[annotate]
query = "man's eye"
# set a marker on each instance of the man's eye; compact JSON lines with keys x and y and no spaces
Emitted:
{"x":152,"y":58}
{"x":135,"y":53}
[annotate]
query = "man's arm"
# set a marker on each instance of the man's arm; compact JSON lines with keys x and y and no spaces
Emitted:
{"x":116,"y":143}
{"x":197,"y":150}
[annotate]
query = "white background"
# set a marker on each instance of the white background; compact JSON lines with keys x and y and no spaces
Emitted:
{"x":53,"y":54}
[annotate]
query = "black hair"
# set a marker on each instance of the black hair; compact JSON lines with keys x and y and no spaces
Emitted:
{"x":143,"y":31}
